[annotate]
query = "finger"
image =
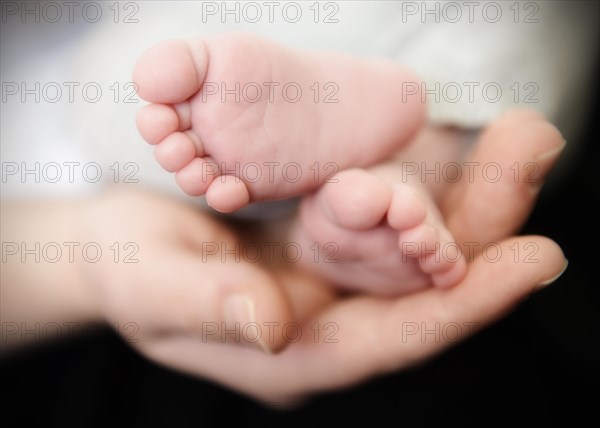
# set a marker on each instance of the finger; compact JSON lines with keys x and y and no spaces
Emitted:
{"x":367,"y":336}
{"x":268,"y":377}
{"x":431,"y":321}
{"x":218,"y":298}
{"x":500,"y":183}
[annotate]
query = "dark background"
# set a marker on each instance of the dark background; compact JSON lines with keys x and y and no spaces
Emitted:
{"x":539,"y":365}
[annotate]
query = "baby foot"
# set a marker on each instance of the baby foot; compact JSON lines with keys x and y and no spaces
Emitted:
{"x":242,"y":119}
{"x":376,"y":236}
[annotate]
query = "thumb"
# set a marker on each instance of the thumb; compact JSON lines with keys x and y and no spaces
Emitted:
{"x":220,"y":300}
{"x":521,"y":147}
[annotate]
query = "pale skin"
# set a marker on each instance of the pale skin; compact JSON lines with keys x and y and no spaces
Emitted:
{"x":208,"y":138}
{"x":335,"y":212}
{"x":194,"y":124}
{"x":193,"y":121}
{"x":171,"y":292}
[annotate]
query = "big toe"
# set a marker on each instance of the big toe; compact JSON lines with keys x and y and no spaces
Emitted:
{"x":355,"y":199}
{"x":171,"y":71}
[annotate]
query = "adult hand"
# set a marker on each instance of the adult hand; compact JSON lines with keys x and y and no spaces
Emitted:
{"x":343,"y":340}
{"x":148,"y":265}
{"x":178,"y":292}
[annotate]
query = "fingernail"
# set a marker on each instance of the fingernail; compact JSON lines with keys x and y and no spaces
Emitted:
{"x":547,"y":282}
{"x":551,"y":153}
{"x":534,"y":188}
{"x":536,"y":185}
{"x":240,"y":314}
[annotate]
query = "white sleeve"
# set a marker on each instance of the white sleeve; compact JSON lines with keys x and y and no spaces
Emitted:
{"x":478,"y":59}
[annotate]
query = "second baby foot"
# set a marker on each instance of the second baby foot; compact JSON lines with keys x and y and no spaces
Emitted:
{"x":377,"y":235}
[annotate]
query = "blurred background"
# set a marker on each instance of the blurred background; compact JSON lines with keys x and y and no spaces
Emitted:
{"x":534,"y":365}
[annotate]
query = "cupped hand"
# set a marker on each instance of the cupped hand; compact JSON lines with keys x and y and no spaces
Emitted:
{"x":335,"y":341}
